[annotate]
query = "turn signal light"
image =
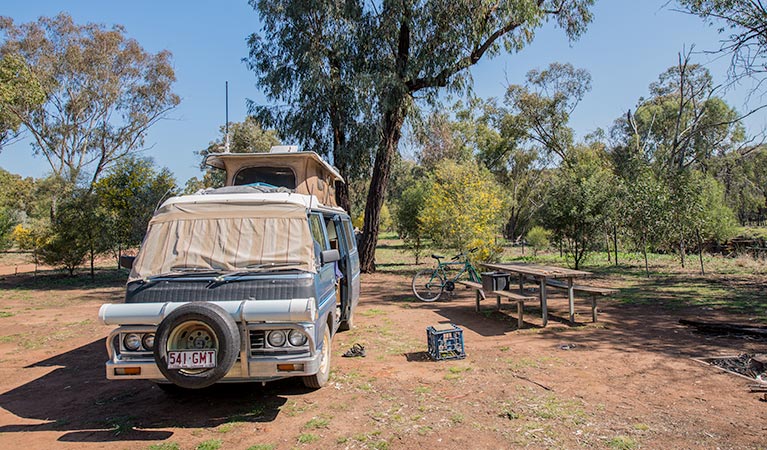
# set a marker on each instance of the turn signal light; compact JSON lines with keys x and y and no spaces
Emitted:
{"x":128,"y":371}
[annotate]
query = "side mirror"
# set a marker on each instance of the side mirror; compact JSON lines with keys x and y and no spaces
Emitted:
{"x":126,"y":262}
{"x":328,"y":256}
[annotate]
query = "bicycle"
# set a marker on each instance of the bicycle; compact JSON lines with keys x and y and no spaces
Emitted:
{"x":428,"y":284}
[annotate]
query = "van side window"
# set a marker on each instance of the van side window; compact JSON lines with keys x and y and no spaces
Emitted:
{"x":350,"y":238}
{"x":315,"y":225}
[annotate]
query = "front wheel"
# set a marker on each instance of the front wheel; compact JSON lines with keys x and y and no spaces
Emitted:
{"x":428,"y":285}
{"x":320,"y":378}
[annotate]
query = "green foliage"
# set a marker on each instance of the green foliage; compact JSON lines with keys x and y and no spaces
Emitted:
{"x":8,"y":221}
{"x":540,"y":111}
{"x":244,"y":137}
{"x":538,"y":238}
{"x":129,"y":193}
{"x":579,"y":199}
{"x":407,"y":218}
{"x":103,"y":92}
{"x":16,"y":193}
{"x":67,"y":243}
{"x":20,"y":91}
{"x":464,"y":209}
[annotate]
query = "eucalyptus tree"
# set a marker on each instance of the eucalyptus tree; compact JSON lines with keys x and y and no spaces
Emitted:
{"x":538,"y":112}
{"x":395,"y":54}
{"x":310,"y":60}
{"x":102,"y":92}
{"x":425,"y":47}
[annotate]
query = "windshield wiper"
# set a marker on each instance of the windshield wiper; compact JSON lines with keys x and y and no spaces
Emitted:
{"x":180,"y":272}
{"x":273,"y":264}
{"x":250,"y":269}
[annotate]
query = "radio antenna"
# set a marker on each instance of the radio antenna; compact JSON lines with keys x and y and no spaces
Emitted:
{"x":226,"y":127}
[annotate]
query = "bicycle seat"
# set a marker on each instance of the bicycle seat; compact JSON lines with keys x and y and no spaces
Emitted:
{"x":437,"y":256}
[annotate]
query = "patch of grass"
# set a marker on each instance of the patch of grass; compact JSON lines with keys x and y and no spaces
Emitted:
{"x":212,"y":444}
{"x":622,"y":443}
{"x":424,"y":430}
{"x":293,"y":409}
{"x":456,"y":418}
{"x":507,"y":412}
{"x":553,"y":408}
{"x":165,"y":446}
{"x":6,"y":314}
{"x":459,"y":369}
{"x":317,"y":422}
{"x":422,"y":389}
{"x":227,"y":427}
{"x":373,"y":312}
{"x":641,"y":427}
{"x":379,"y":445}
{"x":307,"y":438}
{"x":262,"y":447}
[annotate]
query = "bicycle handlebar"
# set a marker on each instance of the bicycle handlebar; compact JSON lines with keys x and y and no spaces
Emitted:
{"x":464,"y":254}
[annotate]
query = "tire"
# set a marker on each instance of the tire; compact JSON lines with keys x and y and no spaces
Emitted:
{"x":320,"y":379}
{"x":427,"y":286}
{"x":211,"y":327}
{"x":347,"y":324}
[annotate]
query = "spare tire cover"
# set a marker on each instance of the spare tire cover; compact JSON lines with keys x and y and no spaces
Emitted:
{"x":197,"y":326}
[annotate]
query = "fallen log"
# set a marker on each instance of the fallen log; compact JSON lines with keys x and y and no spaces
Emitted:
{"x":726,"y":328}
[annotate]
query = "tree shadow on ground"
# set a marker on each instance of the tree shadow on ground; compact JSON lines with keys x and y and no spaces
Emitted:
{"x":61,"y":281}
{"x":625,"y":324}
{"x":75,"y":398}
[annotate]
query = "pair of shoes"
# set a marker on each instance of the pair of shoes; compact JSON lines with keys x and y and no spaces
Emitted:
{"x":356,"y":350}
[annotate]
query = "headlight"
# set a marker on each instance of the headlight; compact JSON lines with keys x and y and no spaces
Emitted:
{"x":148,"y":341}
{"x":276,"y":338}
{"x":132,"y":342}
{"x":296,"y":338}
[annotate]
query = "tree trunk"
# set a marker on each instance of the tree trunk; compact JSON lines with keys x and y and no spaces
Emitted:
{"x":644,"y":253}
{"x":119,"y":254}
{"x":342,"y":195}
{"x":609,"y":257}
{"x":681,"y":249}
{"x":93,"y":273}
{"x":615,"y":242}
{"x":700,"y":252}
{"x":393,"y":120}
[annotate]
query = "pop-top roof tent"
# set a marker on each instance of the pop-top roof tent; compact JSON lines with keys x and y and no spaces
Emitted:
{"x":283,"y":166}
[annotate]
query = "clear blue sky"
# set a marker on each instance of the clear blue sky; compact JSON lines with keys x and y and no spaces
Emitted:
{"x":629,"y":43}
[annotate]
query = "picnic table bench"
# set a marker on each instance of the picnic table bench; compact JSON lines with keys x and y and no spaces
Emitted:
{"x":592,"y":291}
{"x":512,"y":296}
{"x":544,"y":276}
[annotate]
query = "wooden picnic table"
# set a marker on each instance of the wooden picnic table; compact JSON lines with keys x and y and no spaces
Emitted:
{"x":542,"y":274}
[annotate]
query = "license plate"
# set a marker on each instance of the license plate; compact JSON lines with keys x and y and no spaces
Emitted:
{"x":192,"y":359}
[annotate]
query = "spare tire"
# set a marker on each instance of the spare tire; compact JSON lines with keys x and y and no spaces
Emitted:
{"x":197,"y":326}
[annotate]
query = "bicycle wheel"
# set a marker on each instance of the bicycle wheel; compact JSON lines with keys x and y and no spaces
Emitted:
{"x":428,"y":285}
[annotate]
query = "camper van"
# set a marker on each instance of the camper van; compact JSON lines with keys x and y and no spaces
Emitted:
{"x":248,"y":282}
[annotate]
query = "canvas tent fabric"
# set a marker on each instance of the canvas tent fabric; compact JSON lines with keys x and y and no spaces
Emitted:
{"x":226,"y":237}
{"x":312,"y":175}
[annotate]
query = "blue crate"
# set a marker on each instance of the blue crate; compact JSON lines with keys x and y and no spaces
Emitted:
{"x":445,"y":344}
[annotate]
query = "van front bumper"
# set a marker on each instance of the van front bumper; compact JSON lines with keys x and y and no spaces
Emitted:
{"x":261,"y":369}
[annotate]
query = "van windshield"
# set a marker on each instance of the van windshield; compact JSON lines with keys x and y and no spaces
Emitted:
{"x":225,"y":238}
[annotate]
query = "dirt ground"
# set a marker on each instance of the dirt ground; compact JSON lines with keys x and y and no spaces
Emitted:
{"x":625,"y":382}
